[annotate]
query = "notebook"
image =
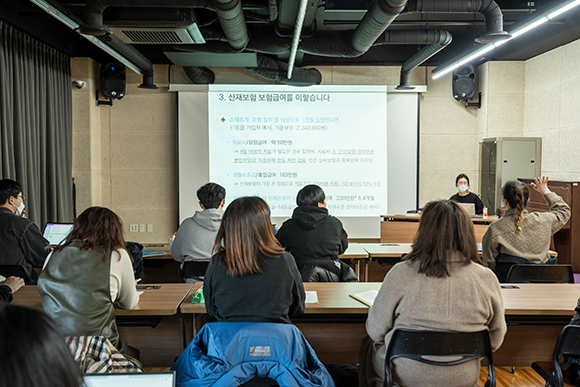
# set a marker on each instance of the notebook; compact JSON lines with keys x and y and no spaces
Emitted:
{"x":55,"y":233}
{"x":367,"y":298}
{"x":146,"y":379}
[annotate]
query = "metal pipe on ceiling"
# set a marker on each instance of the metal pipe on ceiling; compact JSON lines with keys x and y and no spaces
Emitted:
{"x":296,"y":38}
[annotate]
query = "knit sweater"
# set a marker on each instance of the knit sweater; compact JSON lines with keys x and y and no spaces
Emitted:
{"x":533,"y":242}
{"x":468,"y":300}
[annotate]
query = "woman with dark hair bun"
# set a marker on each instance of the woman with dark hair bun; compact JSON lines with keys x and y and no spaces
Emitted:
{"x":464,"y":196}
{"x":441,"y":285}
{"x":251,"y":277}
{"x":521,"y":237}
{"x":87,"y":275}
{"x":33,"y":352}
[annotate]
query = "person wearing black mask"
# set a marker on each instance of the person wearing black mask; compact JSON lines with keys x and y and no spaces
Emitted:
{"x":21,"y":242}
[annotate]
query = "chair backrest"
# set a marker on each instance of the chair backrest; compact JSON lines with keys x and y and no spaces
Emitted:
{"x":14,"y":270}
{"x":562,"y":274}
{"x":568,"y":344}
{"x":412,"y":344}
{"x":193,"y":269}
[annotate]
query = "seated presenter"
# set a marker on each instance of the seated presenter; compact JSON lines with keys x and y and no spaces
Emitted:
{"x":87,"y":275}
{"x":251,"y":277}
{"x":195,"y":237}
{"x":464,"y":196}
{"x":441,"y":285}
{"x":314,"y":237}
{"x":521,"y":237}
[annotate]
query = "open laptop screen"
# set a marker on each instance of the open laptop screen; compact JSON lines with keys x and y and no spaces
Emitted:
{"x":146,"y":379}
{"x":55,"y":233}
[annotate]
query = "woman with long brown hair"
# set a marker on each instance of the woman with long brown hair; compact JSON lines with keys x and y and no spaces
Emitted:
{"x":251,"y":277}
{"x":87,"y":275}
{"x":520,"y":237}
{"x":441,"y":285}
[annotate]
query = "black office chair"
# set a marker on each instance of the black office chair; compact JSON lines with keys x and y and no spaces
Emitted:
{"x":568,"y":344}
{"x":557,"y":274}
{"x":193,"y":269}
{"x":414,"y":345}
{"x":15,"y":270}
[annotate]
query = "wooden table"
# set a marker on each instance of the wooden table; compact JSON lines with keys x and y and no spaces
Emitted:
{"x":358,"y":254}
{"x":396,"y":228}
{"x":335,"y":326}
{"x":394,"y":251}
{"x":163,"y":247}
{"x":155,"y":303}
{"x":164,"y":301}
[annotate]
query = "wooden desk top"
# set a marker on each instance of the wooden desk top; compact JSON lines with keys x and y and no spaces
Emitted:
{"x":416,"y":217}
{"x":387,"y":250}
{"x":164,"y":301}
{"x":393,"y":250}
{"x":528,"y":300}
{"x":355,"y":250}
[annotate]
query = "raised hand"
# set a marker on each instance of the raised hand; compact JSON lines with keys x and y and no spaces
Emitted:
{"x":541,"y":185}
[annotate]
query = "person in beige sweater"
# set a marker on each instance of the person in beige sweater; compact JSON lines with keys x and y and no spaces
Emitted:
{"x":519,"y":236}
{"x":441,"y":285}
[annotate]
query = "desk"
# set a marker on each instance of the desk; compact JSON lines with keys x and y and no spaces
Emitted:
{"x":357,"y":253}
{"x":158,"y":303}
{"x":394,"y":251}
{"x":401,"y":228}
{"x":335,"y":326}
{"x":164,"y":301}
{"x":164,"y":248}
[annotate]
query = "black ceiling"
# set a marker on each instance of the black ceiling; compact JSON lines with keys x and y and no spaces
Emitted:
{"x":332,"y":15}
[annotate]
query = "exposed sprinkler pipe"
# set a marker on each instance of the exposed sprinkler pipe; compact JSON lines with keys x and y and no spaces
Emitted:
{"x":296,"y":37}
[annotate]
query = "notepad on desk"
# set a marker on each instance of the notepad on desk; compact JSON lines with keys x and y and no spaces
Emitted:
{"x":152,"y":253}
{"x":366,"y":298}
{"x":311,"y":297}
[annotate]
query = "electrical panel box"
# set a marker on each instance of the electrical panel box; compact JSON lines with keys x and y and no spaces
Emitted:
{"x":504,"y":159}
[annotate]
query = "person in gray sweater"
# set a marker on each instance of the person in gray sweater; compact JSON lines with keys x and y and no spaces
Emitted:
{"x":441,"y":285}
{"x":195,"y":237}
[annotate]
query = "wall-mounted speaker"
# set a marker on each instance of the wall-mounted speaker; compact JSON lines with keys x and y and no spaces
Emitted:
{"x":112,"y":80}
{"x":464,"y":83}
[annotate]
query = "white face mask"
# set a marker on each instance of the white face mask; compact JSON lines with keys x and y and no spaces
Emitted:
{"x":20,"y":208}
{"x":462,"y":188}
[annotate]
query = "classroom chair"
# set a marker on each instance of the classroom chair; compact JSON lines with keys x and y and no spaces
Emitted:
{"x":225,"y":354}
{"x":530,"y":273}
{"x":15,"y":270}
{"x":326,"y":271}
{"x":194,"y":269}
{"x":568,"y":344}
{"x":412,"y":344}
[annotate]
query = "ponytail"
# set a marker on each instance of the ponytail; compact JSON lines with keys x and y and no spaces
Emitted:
{"x":516,"y":193}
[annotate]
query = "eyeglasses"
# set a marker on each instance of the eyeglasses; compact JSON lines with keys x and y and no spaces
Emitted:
{"x":21,"y":197}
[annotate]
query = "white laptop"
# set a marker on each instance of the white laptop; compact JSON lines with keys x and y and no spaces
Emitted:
{"x":55,"y":233}
{"x":145,"y":379}
{"x":469,"y":207}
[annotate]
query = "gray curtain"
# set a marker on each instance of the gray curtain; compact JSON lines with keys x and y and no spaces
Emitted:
{"x":36,"y":124}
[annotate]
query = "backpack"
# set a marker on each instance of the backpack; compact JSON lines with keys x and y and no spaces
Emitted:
{"x":571,"y":365}
{"x":136,"y":251}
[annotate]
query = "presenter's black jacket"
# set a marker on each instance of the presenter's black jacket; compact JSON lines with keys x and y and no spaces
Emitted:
{"x":274,"y":295}
{"x":313,"y":235}
{"x":21,"y":243}
{"x":469,"y":198}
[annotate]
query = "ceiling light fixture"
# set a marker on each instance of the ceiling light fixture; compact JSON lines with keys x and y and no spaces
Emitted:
{"x":73,"y":25}
{"x":536,"y":22}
